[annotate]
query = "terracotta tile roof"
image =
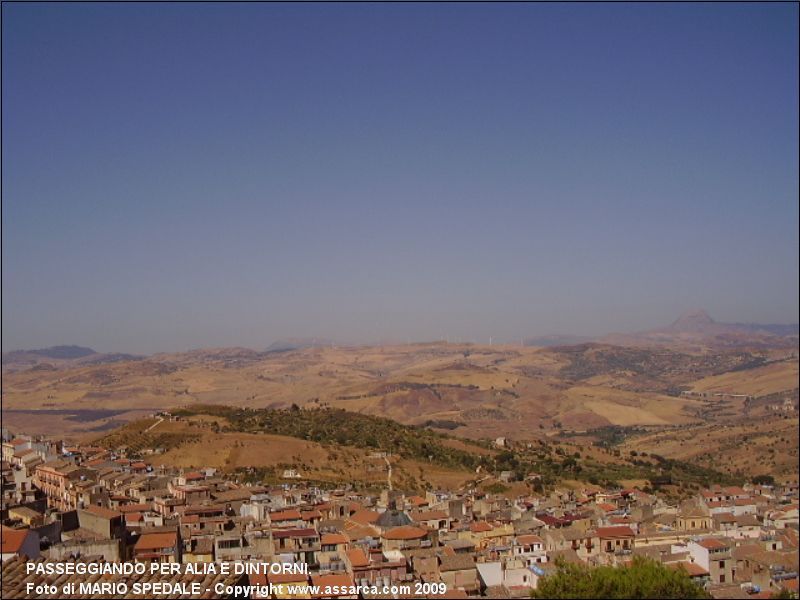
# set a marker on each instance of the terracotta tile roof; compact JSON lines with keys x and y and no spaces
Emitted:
{"x":747,"y":521}
{"x":551,"y":520}
{"x":712,"y":544}
{"x":456,"y":562}
{"x":725,"y":517}
{"x":329,"y":539}
{"x":618,"y":531}
{"x":298,"y":532}
{"x":405,"y":532}
{"x":356,"y":532}
{"x":480,"y":527}
{"x":364,"y":516}
{"x":357,"y":557}
{"x":693,"y":569}
{"x":430,"y":515}
{"x":156,"y":541}
{"x":189,"y":519}
{"x":285,"y":515}
{"x":13,"y":539}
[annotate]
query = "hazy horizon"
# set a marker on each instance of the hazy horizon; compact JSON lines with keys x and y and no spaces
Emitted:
{"x":179,"y":176}
{"x":322,"y":341}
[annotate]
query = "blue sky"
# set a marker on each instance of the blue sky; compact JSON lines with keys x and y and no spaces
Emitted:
{"x":179,"y":176}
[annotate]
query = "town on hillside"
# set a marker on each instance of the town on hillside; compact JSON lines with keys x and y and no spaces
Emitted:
{"x":90,"y":503}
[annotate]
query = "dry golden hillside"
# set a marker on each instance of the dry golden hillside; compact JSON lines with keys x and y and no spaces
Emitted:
{"x":468,"y":390}
{"x":760,"y":381}
{"x":198,"y":442}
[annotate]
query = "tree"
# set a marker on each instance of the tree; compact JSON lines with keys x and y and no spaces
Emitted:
{"x":764,"y":480}
{"x":644,"y":578}
{"x":496,"y":488}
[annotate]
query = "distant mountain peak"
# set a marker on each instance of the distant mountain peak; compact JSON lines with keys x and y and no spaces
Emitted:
{"x":693,"y":320}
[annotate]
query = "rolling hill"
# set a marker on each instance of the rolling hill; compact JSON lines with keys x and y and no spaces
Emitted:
{"x":465,"y":390}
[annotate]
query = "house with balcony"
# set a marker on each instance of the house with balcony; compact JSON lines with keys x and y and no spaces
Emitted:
{"x":433,"y":519}
{"x":584,"y":544}
{"x":714,"y":555}
{"x":530,"y":549}
{"x":618,"y":539}
{"x":303,"y":543}
{"x":161,"y":546}
{"x":58,"y":480}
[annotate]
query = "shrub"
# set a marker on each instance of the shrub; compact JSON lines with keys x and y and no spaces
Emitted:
{"x":644,"y":578}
